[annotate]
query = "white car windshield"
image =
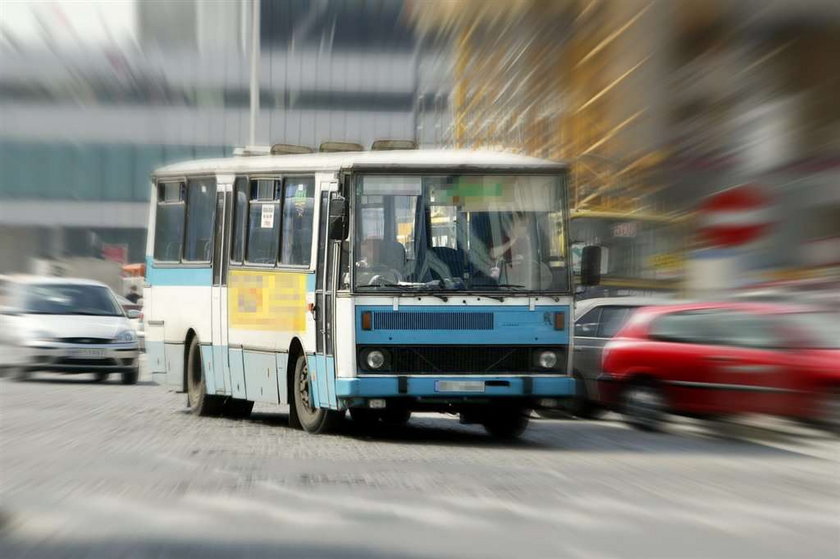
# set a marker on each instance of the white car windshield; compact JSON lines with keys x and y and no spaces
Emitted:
{"x":69,"y":299}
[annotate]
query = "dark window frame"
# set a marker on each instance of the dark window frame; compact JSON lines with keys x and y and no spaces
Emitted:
{"x":601,"y":322}
{"x":277,"y":192}
{"x":187,"y":196}
{"x":597,"y":312}
{"x":314,"y":238}
{"x":704,"y":338}
{"x":161,"y":201}
{"x":235,"y":225}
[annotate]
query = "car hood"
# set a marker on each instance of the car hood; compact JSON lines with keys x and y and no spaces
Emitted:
{"x":75,"y":326}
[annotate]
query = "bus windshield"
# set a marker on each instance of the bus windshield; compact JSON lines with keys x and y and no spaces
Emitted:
{"x":460,"y":233}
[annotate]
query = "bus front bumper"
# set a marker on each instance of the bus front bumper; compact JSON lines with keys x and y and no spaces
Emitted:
{"x":460,"y":387}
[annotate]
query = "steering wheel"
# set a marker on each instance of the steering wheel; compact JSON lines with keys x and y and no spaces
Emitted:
{"x":384,"y":274}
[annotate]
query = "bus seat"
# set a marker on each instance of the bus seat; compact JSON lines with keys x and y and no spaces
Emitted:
{"x":452,"y":259}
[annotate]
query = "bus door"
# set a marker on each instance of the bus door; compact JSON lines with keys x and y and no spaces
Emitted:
{"x":325,"y":285}
{"x":219,"y":311}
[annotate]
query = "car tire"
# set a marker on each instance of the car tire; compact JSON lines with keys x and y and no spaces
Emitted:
{"x":238,"y":409}
{"x":131,"y":377}
{"x":643,"y":406}
{"x":313,"y":420}
{"x":199,"y":402}
{"x":505,"y":422}
{"x":584,"y":407}
{"x":100,"y":377}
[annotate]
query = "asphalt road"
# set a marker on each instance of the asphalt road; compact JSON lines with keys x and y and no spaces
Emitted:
{"x":106,"y":470}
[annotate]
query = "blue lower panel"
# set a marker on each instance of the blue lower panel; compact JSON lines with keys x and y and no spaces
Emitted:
{"x":381,"y":387}
{"x":261,"y":377}
{"x":155,"y":359}
{"x":209,"y":370}
{"x":322,"y":373}
{"x":237,"y":373}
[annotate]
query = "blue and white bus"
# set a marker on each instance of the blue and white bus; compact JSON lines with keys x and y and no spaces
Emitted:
{"x":381,"y":282}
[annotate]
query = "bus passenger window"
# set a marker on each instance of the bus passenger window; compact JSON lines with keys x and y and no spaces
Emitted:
{"x":263,"y":222}
{"x":240,"y":220}
{"x":169,"y":222}
{"x":201,"y":206}
{"x":298,"y":212}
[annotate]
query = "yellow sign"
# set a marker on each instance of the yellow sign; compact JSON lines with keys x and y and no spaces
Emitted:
{"x":665,"y":261}
{"x":267,"y":300}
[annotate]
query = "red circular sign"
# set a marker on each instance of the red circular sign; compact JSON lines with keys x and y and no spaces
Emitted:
{"x":736,"y":216}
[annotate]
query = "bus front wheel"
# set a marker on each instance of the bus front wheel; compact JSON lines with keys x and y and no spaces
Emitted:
{"x":505,"y":422}
{"x":199,"y":401}
{"x":313,"y":419}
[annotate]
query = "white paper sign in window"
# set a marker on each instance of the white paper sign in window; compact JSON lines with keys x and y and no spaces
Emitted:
{"x":267,"y":216}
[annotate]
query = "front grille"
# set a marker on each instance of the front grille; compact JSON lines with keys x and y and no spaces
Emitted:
{"x":456,"y":359}
{"x":85,"y":340}
{"x":402,"y":320}
{"x":86,"y":362}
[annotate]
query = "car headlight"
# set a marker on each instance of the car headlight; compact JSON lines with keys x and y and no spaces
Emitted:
{"x":547,"y":359}
{"x":375,"y":359}
{"x":125,"y":336}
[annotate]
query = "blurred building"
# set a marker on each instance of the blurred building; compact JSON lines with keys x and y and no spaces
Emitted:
{"x":84,"y":123}
{"x":657,"y":104}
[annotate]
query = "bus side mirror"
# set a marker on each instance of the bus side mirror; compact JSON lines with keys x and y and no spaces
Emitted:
{"x":590,"y":266}
{"x":339,"y":224}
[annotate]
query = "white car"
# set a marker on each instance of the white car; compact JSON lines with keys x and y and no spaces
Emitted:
{"x":65,"y":325}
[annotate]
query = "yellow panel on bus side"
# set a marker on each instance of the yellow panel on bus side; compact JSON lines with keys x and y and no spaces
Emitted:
{"x":270,"y":300}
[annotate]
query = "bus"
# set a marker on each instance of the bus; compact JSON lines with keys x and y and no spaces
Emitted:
{"x":376,"y":282}
{"x":642,"y":253}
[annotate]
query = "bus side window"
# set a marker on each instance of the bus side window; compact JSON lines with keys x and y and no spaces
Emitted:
{"x":169,"y":221}
{"x":263,"y":222}
{"x":298,"y":212}
{"x":240,"y":220}
{"x":201,"y":206}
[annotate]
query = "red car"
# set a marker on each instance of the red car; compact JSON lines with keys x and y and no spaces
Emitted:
{"x":707,"y":360}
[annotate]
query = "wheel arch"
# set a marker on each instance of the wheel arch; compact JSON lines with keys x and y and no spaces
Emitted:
{"x":187,"y":343}
{"x":295,"y":351}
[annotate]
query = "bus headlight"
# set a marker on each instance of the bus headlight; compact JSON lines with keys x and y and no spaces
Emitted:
{"x":375,"y":359}
{"x":547,"y":359}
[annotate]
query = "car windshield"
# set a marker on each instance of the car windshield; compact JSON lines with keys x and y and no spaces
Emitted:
{"x":69,"y":299}
{"x":460,"y":233}
{"x":821,"y":330}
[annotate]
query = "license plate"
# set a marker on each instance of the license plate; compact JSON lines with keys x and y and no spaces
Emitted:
{"x":459,"y":386}
{"x":87,"y":353}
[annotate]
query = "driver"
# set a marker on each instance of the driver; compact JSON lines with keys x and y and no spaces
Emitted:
{"x":516,"y":259}
{"x":383,"y":259}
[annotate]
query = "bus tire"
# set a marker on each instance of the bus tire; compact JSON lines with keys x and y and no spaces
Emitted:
{"x":238,"y":409}
{"x":505,"y":422}
{"x":199,"y":401}
{"x":313,"y":420}
{"x":365,"y":418}
{"x":396,"y":416}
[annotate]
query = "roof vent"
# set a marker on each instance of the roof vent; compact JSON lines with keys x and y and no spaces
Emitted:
{"x":289,"y":149}
{"x":331,"y":147}
{"x":389,"y":145}
{"x":252,"y":150}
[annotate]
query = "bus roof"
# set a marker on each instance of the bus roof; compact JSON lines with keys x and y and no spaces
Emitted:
{"x":427,"y":159}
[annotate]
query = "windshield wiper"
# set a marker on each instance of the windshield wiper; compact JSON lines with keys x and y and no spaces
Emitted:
{"x":410,"y":288}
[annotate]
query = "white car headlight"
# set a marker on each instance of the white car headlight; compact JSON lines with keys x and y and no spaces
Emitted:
{"x":126,"y":336}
